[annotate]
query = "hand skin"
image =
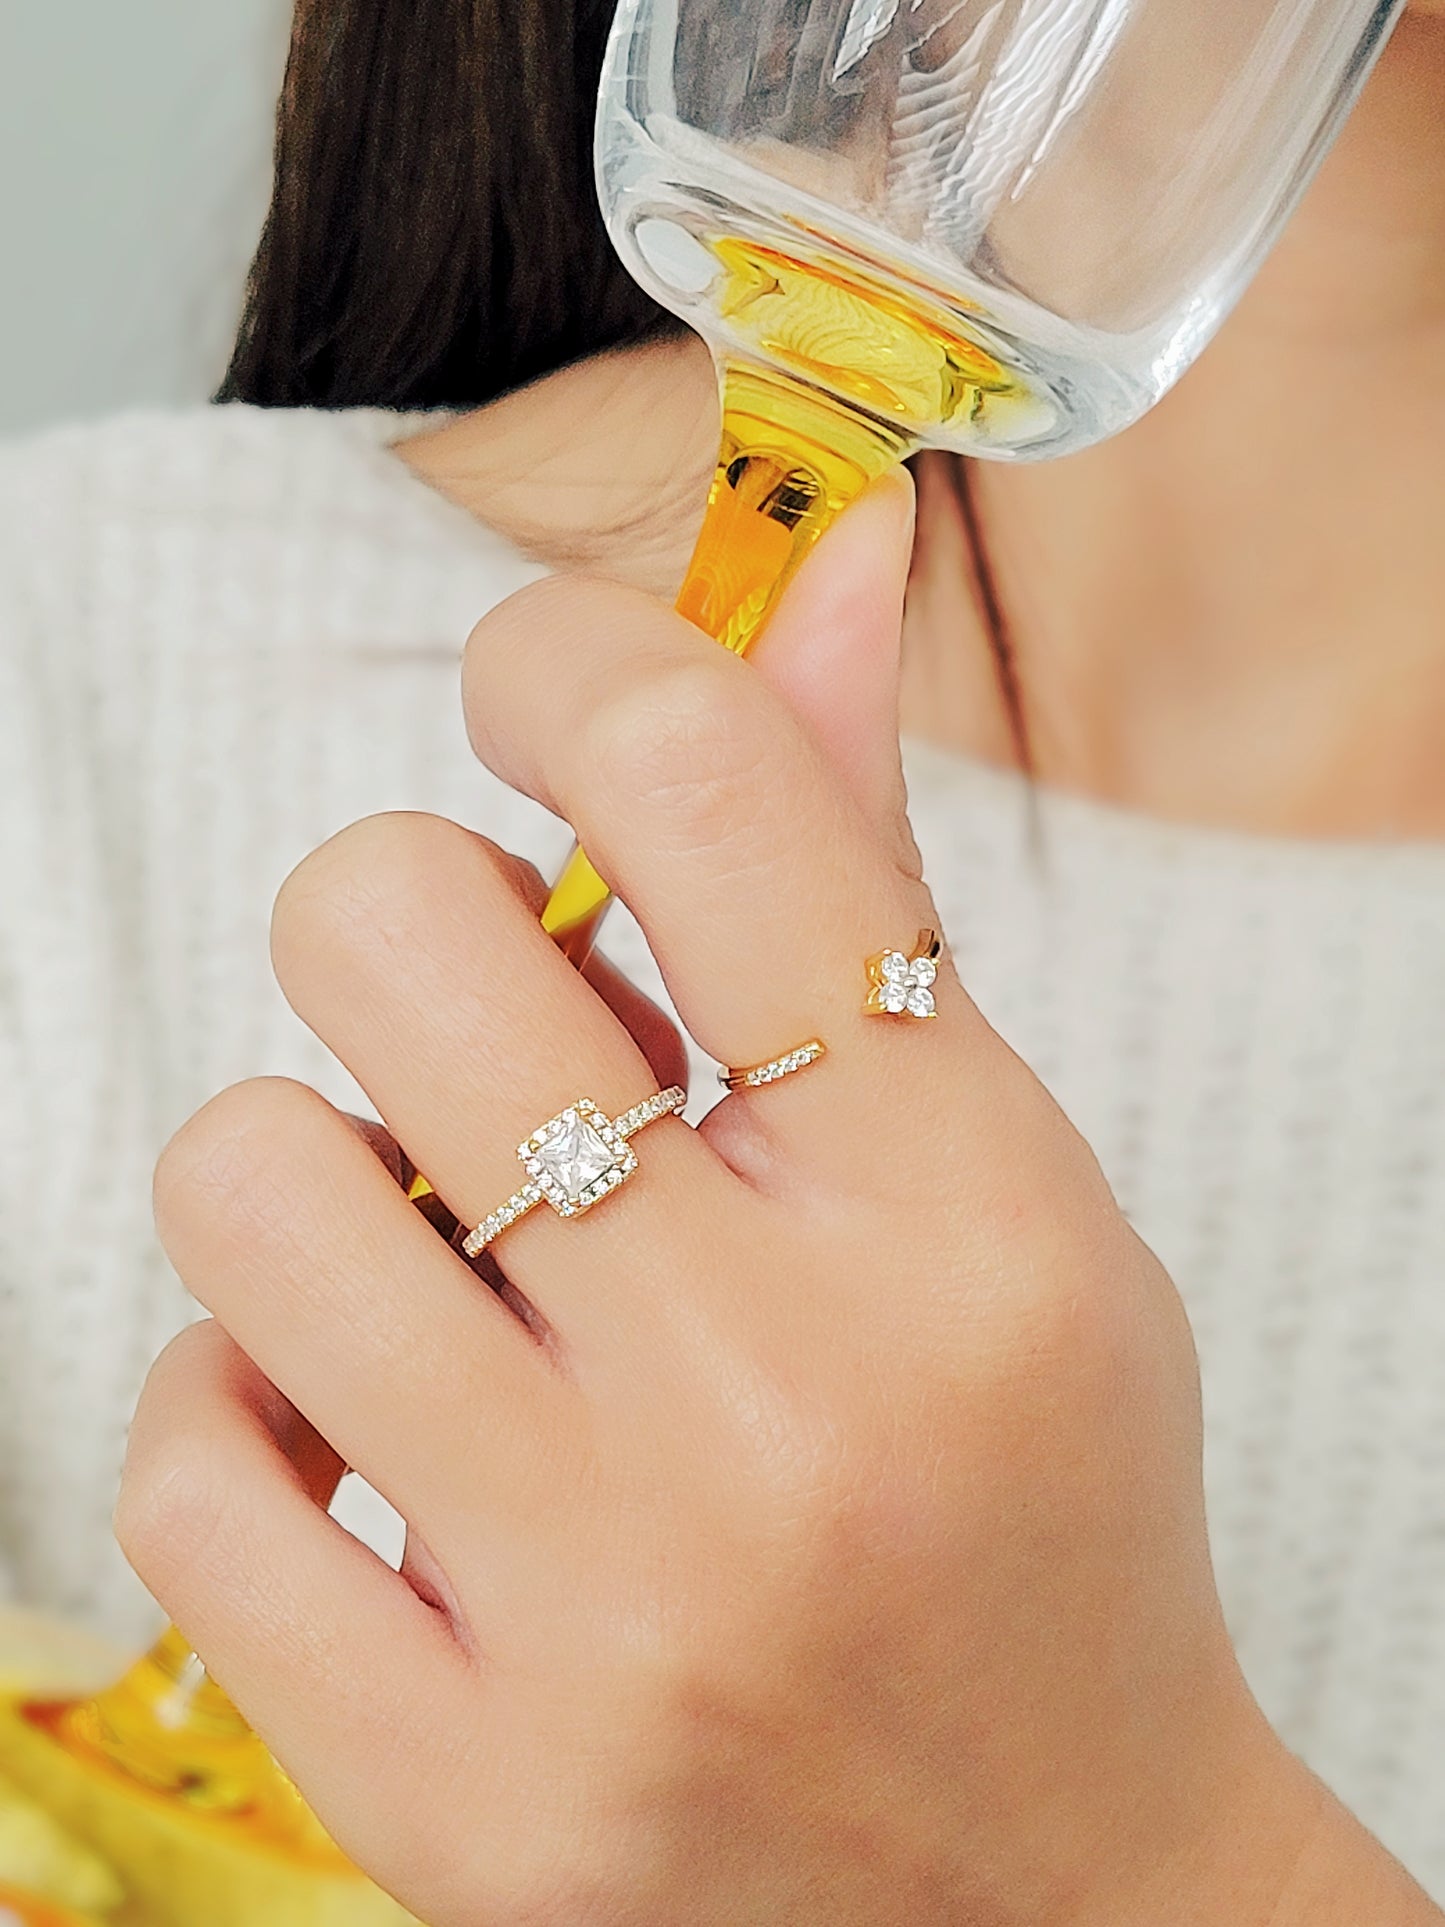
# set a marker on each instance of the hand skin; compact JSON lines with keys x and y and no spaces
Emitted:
{"x":813,"y":1534}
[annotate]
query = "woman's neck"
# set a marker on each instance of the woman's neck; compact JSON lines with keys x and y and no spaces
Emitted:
{"x":602,"y":466}
{"x":1236,"y":611}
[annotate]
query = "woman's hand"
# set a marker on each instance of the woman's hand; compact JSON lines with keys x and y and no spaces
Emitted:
{"x":811,"y":1534}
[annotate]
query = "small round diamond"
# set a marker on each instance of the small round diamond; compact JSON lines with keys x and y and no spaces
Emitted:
{"x":902,"y":986}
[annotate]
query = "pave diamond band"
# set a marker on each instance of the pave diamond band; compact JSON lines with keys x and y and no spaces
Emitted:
{"x":493,"y":1226}
{"x":661,"y":1104}
{"x":753,"y":1076}
{"x":575,"y":1160}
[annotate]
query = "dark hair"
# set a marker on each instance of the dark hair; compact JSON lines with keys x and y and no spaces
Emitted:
{"x":434,"y":239}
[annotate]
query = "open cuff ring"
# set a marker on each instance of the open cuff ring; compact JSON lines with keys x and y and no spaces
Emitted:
{"x":575,"y":1160}
{"x":899,"y":985}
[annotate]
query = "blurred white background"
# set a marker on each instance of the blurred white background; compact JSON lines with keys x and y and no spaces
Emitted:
{"x":135,"y":141}
{"x":135,"y":155}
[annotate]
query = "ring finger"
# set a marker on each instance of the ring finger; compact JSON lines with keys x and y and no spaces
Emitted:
{"x":406,"y":946}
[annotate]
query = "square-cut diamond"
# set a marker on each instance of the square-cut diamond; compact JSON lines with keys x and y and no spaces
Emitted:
{"x":575,"y":1156}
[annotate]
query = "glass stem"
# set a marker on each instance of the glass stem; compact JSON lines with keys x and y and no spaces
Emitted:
{"x":791,"y":460}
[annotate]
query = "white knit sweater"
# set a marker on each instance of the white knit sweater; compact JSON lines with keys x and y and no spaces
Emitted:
{"x":224,"y":634}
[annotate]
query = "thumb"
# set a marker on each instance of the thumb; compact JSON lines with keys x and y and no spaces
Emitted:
{"x":833,"y":646}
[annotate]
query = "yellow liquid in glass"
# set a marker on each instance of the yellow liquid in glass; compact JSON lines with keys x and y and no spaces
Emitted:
{"x":162,"y":1777}
{"x":29,"y":1910}
{"x":904,"y":360}
{"x":851,"y":377}
{"x":168,"y":1727}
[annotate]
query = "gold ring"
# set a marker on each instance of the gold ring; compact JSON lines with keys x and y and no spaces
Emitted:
{"x":900,"y":986}
{"x":752,"y":1075}
{"x":574,"y":1160}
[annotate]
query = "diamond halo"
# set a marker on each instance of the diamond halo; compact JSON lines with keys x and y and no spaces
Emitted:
{"x":574,"y":1160}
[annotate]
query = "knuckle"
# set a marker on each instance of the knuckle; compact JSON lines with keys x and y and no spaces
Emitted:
{"x":688,"y":740}
{"x":238,"y":1147}
{"x":346,"y":881}
{"x":337,"y":894}
{"x":540,"y":607}
{"x":521,"y":644}
{"x":1029,"y":1179}
{"x":362,"y":887}
{"x":173,"y":1506}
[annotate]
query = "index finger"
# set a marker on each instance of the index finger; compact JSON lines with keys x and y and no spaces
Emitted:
{"x":711,"y":811}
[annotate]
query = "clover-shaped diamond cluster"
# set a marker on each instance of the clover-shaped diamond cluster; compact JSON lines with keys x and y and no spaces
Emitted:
{"x":903,"y":986}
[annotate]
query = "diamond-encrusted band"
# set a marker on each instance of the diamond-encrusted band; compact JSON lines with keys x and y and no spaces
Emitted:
{"x":662,"y":1104}
{"x":900,"y":986}
{"x":497,"y":1221}
{"x":753,"y":1076}
{"x":574,"y":1160}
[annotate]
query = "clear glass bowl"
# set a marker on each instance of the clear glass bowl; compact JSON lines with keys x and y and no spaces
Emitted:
{"x":1077,"y":191}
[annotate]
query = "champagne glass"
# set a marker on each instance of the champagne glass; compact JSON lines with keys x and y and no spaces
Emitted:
{"x":1000,"y":227}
